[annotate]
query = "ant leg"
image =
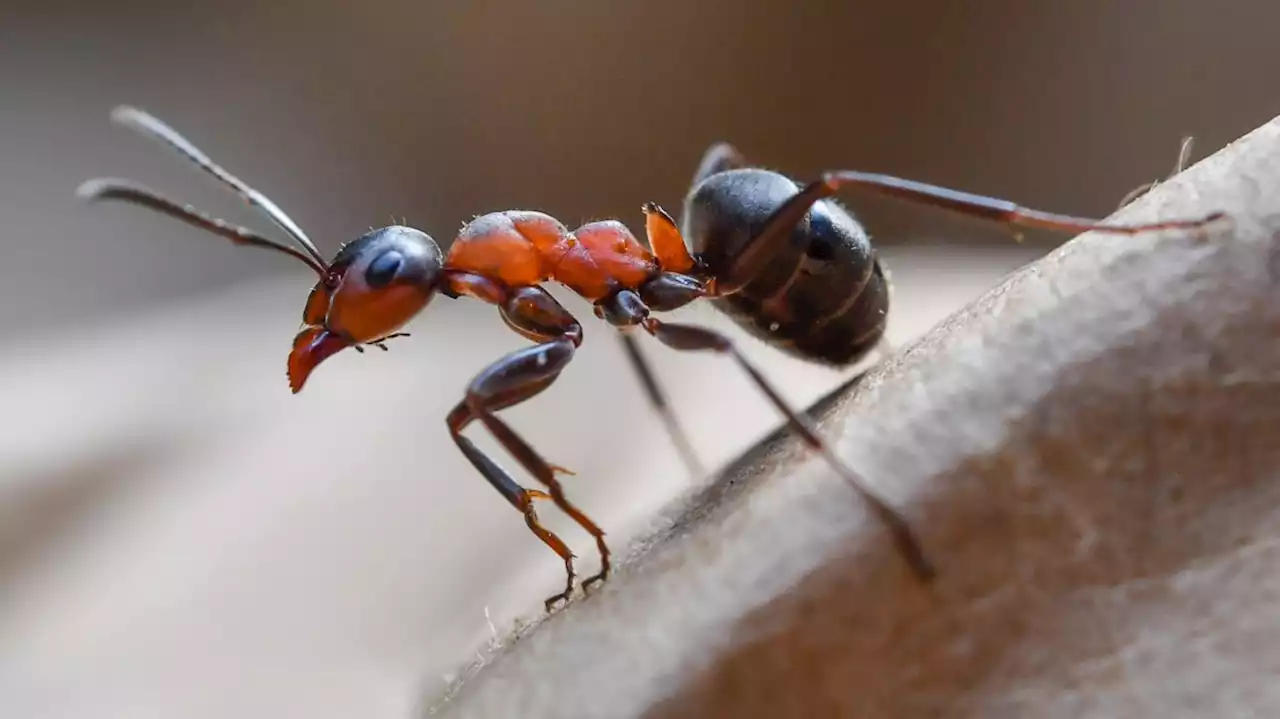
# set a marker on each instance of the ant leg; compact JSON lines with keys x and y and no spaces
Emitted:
{"x":1184,"y":154}
{"x":719,"y":157}
{"x":519,"y":497}
{"x":658,"y":399}
{"x":507,"y":382}
{"x":688,"y":337}
{"x":776,"y":232}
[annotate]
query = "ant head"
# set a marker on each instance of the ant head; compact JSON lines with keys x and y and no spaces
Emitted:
{"x":374,"y":285}
{"x":372,"y":288}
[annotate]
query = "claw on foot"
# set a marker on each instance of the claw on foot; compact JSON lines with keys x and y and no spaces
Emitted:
{"x":594,"y":579}
{"x":550,"y":602}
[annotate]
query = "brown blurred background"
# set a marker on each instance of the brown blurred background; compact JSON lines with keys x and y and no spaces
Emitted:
{"x":350,"y":114}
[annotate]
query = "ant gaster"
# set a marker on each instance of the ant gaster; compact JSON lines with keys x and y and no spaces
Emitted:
{"x":782,"y":259}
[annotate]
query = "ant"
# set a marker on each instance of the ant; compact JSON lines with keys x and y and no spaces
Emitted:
{"x":783,"y":260}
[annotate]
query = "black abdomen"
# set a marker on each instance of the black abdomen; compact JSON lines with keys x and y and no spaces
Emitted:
{"x":824,"y":297}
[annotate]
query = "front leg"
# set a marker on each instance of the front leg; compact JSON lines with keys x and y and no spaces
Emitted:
{"x":535,"y":314}
{"x":510,"y":489}
{"x":511,"y":380}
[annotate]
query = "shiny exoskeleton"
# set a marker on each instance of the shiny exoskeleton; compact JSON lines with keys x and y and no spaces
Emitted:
{"x":823,"y":297}
{"x":781,"y":258}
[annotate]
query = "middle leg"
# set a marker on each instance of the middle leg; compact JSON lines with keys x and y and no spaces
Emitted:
{"x":658,"y":400}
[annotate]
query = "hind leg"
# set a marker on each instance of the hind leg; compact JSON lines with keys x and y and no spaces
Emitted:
{"x":1184,"y":154}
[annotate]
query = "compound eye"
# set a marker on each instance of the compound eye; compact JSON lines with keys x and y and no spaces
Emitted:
{"x":383,"y":269}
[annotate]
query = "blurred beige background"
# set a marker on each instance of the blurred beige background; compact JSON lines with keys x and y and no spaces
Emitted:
{"x":181,"y":537}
